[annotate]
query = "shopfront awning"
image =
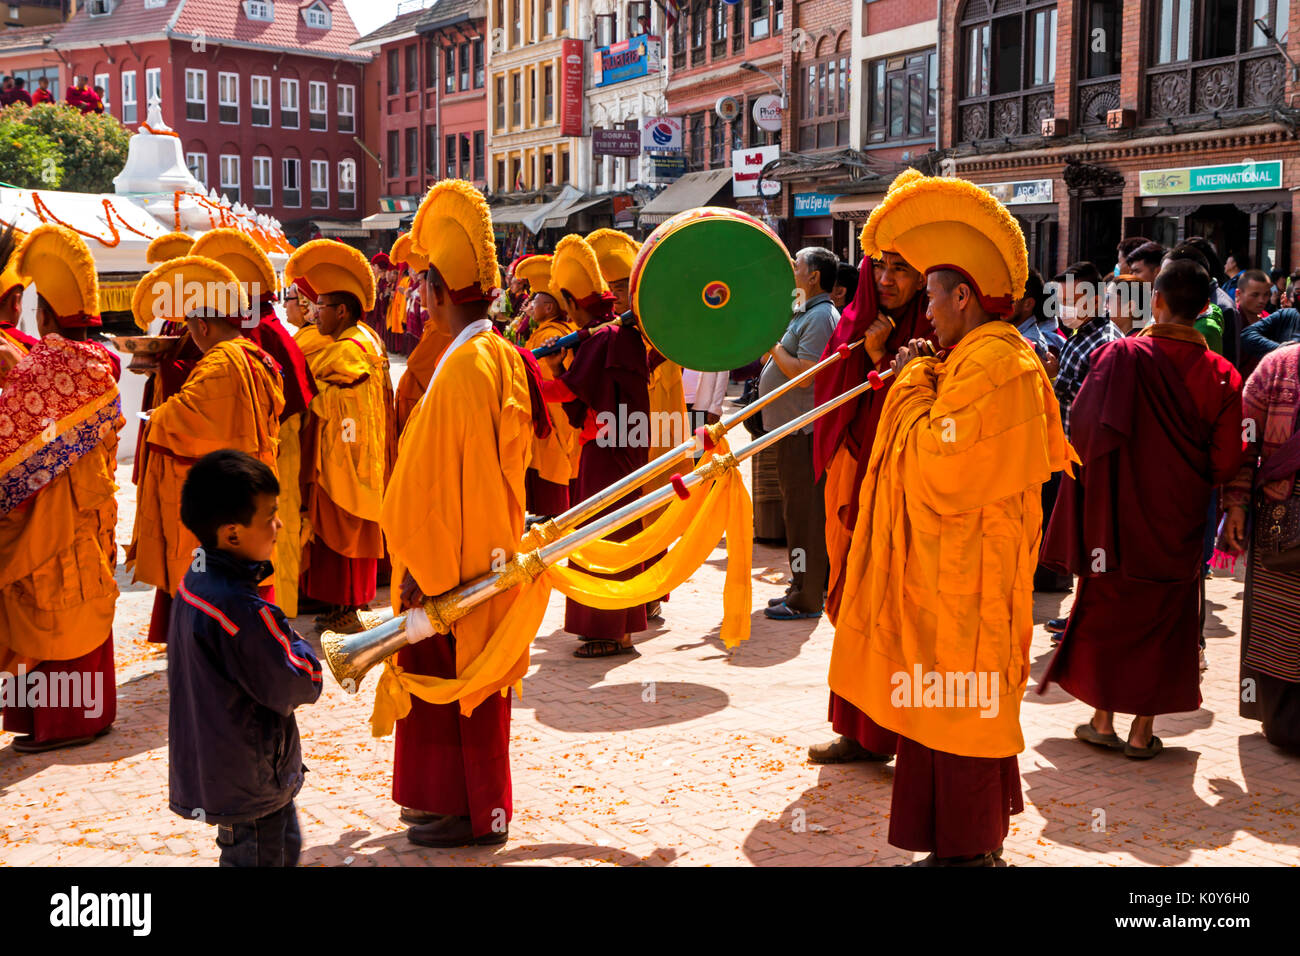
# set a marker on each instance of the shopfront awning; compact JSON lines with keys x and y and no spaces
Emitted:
{"x":513,"y":215}
{"x":855,"y":207}
{"x":692,"y":190}
{"x":561,"y":217}
{"x":385,"y":221}
{"x":331,"y":229}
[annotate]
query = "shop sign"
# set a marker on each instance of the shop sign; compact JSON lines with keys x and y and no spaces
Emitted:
{"x":571,"y":87}
{"x":626,"y":60}
{"x":812,"y":204}
{"x":1211,"y":179}
{"x":661,"y":133}
{"x":667,"y":168}
{"x":616,"y":142}
{"x":746,"y":164}
{"x":1020,"y":193}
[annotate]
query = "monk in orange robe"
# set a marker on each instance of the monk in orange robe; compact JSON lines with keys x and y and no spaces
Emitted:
{"x":554,"y":465}
{"x":888,"y":311}
{"x":233,"y":398}
{"x":354,"y":438}
{"x":428,"y":350}
{"x":464,"y":453}
{"x":933,"y":636}
{"x":60,"y":414}
{"x":11,"y":299}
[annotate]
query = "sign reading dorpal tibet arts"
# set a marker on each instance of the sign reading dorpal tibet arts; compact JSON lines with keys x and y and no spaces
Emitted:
{"x":571,"y":87}
{"x":626,"y":60}
{"x":1211,"y":179}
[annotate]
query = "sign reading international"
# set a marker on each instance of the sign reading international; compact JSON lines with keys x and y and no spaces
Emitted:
{"x":1211,"y":179}
{"x":661,"y":133}
{"x":616,"y":142}
{"x":626,"y":60}
{"x":812,"y":204}
{"x":571,"y":87}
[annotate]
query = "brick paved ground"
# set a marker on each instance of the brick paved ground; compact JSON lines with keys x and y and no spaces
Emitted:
{"x":684,"y":754}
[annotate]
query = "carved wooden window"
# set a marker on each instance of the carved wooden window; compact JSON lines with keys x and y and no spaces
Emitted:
{"x":903,"y":96}
{"x":1100,"y":50}
{"x":1007,"y":68}
{"x":824,"y":103}
{"x":1208,"y":56}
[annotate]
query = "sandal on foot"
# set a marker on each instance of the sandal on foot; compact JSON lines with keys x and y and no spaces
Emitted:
{"x":784,"y":612}
{"x":27,"y":744}
{"x":1144,"y":753}
{"x":602,"y":648}
{"x":1091,"y":735}
{"x":844,"y":750}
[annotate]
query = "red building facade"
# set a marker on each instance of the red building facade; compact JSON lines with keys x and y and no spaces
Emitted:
{"x":264,"y":94}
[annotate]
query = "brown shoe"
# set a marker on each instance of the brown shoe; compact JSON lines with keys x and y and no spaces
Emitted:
{"x":453,"y":832}
{"x":26,"y":744}
{"x":417,"y":818}
{"x":844,"y":750}
{"x":346,"y":621}
{"x":979,"y":860}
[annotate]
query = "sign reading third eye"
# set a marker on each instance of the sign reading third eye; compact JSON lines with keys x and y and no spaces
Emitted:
{"x":812,"y":204}
{"x":1211,"y":179}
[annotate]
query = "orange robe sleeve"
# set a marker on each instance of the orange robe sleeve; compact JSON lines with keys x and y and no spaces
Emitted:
{"x":933,"y":634}
{"x":232,"y":399}
{"x":454,"y":509}
{"x":419,"y":370}
{"x":57,"y":591}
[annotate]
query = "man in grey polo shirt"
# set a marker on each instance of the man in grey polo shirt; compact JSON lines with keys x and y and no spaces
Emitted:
{"x":802,"y":498}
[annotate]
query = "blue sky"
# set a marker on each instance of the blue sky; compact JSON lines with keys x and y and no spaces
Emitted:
{"x":370,"y":14}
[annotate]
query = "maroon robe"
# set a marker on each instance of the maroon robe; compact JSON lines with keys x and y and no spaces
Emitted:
{"x":950,"y":805}
{"x":609,"y":374}
{"x":444,"y":762}
{"x":1157,"y":425}
{"x":63,"y":723}
{"x":275,"y":340}
{"x":855,"y":423}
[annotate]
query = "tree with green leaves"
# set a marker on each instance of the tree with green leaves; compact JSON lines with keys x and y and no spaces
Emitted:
{"x":28,"y":158}
{"x":90,"y":147}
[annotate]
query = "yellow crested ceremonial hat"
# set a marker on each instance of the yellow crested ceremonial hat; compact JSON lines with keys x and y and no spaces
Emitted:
{"x":941,"y":223}
{"x":330,"y":266}
{"x":576,"y":270}
{"x":58,"y":261}
{"x":10,"y":280}
{"x":404,"y":251}
{"x":615,"y":251}
{"x":537,"y":270}
{"x":185,"y":286}
{"x":171,"y":246}
{"x":240,"y":253}
{"x":453,"y":228}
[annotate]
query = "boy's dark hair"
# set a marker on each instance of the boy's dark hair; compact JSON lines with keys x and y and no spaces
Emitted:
{"x":1035,"y":289}
{"x":19,"y":82}
{"x":1126,"y":246}
{"x":1250,"y":275}
{"x":353,"y":304}
{"x":822,"y":261}
{"x":1185,"y":287}
{"x":847,"y":276}
{"x":1206,"y":248}
{"x":1149,"y":253}
{"x":222,"y":488}
{"x":1081,"y":272}
{"x":1185,"y":251}
{"x":1243,"y":260}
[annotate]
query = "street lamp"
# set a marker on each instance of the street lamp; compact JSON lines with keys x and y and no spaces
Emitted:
{"x":1262,"y":25}
{"x":780,"y":84}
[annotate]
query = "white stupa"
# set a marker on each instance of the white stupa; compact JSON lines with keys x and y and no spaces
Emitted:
{"x":155,"y":162}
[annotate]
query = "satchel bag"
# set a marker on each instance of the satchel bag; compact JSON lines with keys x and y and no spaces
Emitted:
{"x":1277,"y":523}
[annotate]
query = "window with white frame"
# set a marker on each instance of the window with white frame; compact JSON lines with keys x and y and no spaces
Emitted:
{"x":347,"y":110}
{"x":348,"y":184}
{"x":196,"y":95}
{"x":230,"y":177}
{"x":101,"y":80}
{"x":259,"y":99}
{"x":99,"y":8}
{"x":228,"y":97}
{"x":197,"y":164}
{"x":154,"y":4}
{"x":290,"y":185}
{"x":130,"y":111}
{"x":317,"y":105}
{"x":289,"y":104}
{"x":259,"y":10}
{"x":152,"y":84}
{"x":261,"y":181}
{"x":320,"y":184}
{"x":317,"y":16}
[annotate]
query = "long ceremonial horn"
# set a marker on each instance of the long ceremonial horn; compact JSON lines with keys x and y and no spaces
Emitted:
{"x":574,"y":339}
{"x":350,"y":656}
{"x":561,"y":523}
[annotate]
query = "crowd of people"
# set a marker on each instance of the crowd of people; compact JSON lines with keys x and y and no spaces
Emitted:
{"x":1025,"y":434}
{"x":80,"y":95}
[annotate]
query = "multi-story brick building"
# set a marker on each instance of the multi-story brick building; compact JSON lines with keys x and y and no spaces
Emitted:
{"x":1107,"y":119}
{"x":263,"y":94}
{"x":26,"y":52}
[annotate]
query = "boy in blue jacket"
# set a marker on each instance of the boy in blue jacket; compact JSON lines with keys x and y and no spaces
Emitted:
{"x":236,"y":670}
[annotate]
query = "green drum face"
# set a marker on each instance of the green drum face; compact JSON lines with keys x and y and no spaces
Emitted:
{"x":714,"y":293}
